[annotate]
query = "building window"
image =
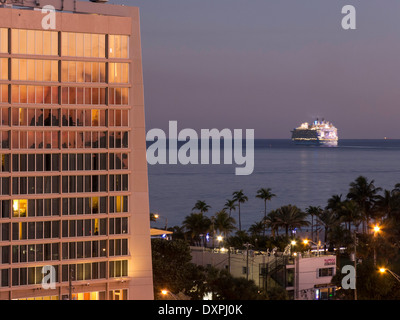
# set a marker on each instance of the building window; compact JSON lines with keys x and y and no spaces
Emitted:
{"x":83,"y":45}
{"x":3,"y":68}
{"x":80,"y":96}
{"x":34,"y":70}
{"x":325,"y":272}
{"x":118,"y":46}
{"x":29,"y":276}
{"x":118,"y":268}
{"x":34,"y":94}
{"x":118,"y":96}
{"x":36,"y":42}
{"x":118,"y":294}
{"x":79,"y":71}
{"x":4,"y":93}
{"x":3,"y":40}
{"x":118,"y":72}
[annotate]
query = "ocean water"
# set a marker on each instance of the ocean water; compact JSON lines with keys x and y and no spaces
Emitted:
{"x":298,"y":175}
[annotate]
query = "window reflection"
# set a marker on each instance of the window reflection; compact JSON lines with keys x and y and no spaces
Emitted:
{"x":4,"y":93}
{"x":118,"y":72}
{"x":33,"y":139}
{"x":118,"y":96}
{"x":5,"y":116}
{"x":34,"y":70}
{"x":118,"y":118}
{"x":35,"y":42}
{"x":34,"y":94}
{"x":118,"y":46}
{"x":77,"y":95}
{"x":83,"y":45}
{"x":3,"y":68}
{"x":3,"y":40}
{"x":5,"y":139}
{"x":80,"y":139}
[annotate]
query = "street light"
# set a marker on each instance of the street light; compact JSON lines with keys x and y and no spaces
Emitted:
{"x":396,"y":276}
{"x":292,"y":243}
{"x":157,"y":216}
{"x":376,"y":229}
{"x":165,"y":292}
{"x":219,"y":239}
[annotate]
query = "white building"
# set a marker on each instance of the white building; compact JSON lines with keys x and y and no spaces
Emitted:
{"x":305,"y":277}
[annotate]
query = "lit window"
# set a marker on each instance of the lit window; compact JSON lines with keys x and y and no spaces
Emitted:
{"x":20,"y":207}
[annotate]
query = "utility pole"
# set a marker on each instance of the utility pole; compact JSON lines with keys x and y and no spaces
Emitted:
{"x":247,"y":245}
{"x":229,"y":260}
{"x":70,"y":283}
{"x":355,"y":265}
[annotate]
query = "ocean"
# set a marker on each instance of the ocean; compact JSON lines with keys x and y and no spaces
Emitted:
{"x":298,"y":175}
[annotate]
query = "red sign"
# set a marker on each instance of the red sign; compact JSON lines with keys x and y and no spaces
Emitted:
{"x":329,"y":262}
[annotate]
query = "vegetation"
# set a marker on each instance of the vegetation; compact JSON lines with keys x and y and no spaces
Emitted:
{"x":337,"y":224}
{"x":172,"y":270}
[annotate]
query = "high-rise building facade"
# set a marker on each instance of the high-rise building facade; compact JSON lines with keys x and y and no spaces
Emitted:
{"x":73,"y":174}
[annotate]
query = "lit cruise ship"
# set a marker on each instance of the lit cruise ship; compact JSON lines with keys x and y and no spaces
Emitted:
{"x":317,"y":133}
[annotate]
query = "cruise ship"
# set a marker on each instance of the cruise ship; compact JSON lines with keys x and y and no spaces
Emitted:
{"x":316,"y":133}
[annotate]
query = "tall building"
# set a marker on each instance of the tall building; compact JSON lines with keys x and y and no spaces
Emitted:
{"x":74,"y":188}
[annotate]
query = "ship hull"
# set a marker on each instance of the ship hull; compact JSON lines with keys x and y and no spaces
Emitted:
{"x":332,"y":143}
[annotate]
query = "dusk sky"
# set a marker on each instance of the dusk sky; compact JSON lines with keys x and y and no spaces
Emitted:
{"x":270,"y":65}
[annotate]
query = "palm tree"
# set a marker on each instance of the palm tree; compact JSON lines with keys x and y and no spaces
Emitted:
{"x":388,"y":204}
{"x":239,"y":197}
{"x":329,"y":220}
{"x":349,"y":213}
{"x":230,"y":205}
{"x":202,"y":206}
{"x":196,"y":224}
{"x":272,"y":222}
{"x":291,"y":217}
{"x":334,"y":202}
{"x":313,"y":212}
{"x":266,"y":195}
{"x":257,"y":228}
{"x":365,"y":194}
{"x":223,"y":222}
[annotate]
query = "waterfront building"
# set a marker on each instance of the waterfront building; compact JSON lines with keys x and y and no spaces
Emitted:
{"x":304,"y":276}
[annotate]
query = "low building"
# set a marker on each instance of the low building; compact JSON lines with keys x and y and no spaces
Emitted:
{"x":304,"y":276}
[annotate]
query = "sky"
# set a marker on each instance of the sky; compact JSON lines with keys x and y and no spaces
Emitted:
{"x":271,"y":65}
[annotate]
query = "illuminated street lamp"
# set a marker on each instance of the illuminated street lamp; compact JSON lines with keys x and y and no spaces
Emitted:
{"x":376,"y":229}
{"x":157,"y":216}
{"x":396,"y":276}
{"x":166,"y":292}
{"x":292,"y":243}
